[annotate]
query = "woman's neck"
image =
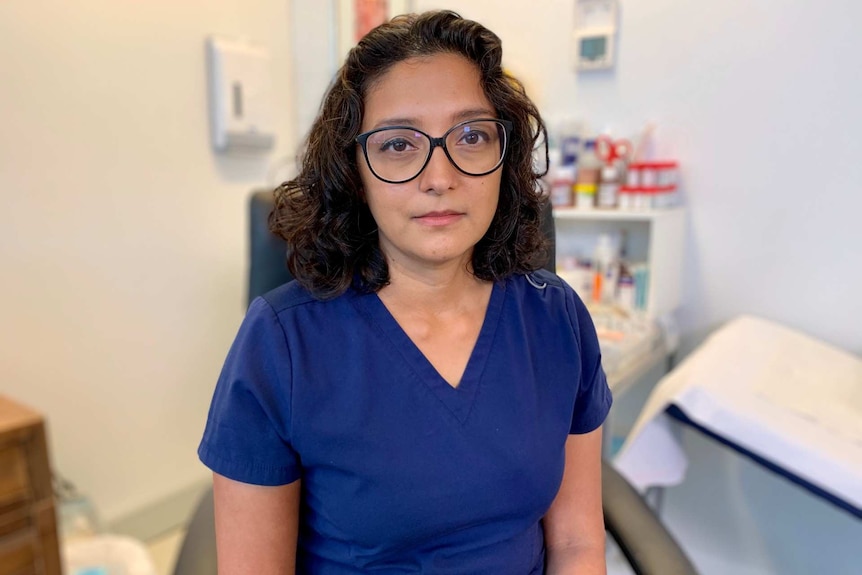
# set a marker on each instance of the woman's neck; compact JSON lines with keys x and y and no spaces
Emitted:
{"x":433,"y":290}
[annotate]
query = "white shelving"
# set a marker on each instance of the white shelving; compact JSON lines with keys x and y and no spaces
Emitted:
{"x":598,"y":214}
{"x":654,"y":236}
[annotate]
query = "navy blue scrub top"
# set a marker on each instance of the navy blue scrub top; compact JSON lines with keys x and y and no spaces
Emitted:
{"x":401,"y":472}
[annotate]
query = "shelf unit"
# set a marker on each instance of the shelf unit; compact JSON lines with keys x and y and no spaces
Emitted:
{"x":654,"y":236}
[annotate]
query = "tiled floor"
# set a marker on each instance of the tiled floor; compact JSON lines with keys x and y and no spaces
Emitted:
{"x":165,"y":548}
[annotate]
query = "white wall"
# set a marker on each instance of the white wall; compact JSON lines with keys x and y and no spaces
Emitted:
{"x":315,"y":40}
{"x":760,"y":101}
{"x":122,"y":236}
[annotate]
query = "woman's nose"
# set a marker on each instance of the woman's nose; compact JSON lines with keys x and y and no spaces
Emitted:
{"x":439,"y":174}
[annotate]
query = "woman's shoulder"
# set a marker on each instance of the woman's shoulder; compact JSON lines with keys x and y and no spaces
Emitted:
{"x":545,"y":293}
{"x":293,"y":304}
{"x":544,"y":285}
{"x":285,"y":297}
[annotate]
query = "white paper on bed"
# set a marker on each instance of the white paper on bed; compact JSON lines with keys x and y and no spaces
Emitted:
{"x":785,"y":396}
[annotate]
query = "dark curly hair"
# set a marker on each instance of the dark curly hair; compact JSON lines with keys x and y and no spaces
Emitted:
{"x":331,"y":235}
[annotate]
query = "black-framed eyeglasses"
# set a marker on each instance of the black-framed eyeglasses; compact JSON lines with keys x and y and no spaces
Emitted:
{"x":398,"y":154}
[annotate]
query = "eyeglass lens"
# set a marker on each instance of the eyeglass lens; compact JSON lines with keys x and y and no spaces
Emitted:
{"x":399,"y":154}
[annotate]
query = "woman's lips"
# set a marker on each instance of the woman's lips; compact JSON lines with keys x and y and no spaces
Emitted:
{"x":439,"y":218}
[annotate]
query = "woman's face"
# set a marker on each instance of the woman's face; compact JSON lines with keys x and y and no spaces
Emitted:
{"x":436,"y":218}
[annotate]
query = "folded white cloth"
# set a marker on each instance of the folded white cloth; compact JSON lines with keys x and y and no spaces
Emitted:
{"x":778,"y":393}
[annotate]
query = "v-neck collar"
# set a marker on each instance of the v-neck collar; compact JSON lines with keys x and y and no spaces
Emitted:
{"x":459,"y":400}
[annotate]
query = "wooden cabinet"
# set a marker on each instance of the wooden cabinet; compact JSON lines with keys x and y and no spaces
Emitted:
{"x":28,"y":525}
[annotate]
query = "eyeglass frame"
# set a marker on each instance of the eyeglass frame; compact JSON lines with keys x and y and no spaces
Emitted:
{"x":362,"y":140}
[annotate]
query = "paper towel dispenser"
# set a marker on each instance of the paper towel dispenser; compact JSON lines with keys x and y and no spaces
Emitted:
{"x":240,"y":94}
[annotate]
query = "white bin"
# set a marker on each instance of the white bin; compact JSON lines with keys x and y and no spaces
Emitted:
{"x":107,"y":555}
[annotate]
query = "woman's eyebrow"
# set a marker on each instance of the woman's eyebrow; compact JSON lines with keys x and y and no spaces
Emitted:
{"x":395,"y":122}
{"x":456,"y":118}
{"x":473,"y":113}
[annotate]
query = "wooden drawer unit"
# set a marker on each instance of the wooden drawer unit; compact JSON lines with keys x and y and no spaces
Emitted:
{"x":14,"y":485}
{"x":28,"y":524}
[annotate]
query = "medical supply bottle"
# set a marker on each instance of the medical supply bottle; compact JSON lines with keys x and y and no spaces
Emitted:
{"x":605,"y":270}
{"x":609,"y":186}
{"x":588,"y":175}
{"x":561,"y":179}
{"x":562,"y":184}
{"x":570,"y":146}
{"x":626,"y":290}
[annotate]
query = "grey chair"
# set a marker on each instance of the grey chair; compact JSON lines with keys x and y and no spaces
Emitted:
{"x":647,"y":545}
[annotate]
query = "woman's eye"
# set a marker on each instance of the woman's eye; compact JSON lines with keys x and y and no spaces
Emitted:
{"x":474,"y":138}
{"x":396,"y":145}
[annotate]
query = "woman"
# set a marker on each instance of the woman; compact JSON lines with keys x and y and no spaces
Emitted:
{"x":419,"y":400}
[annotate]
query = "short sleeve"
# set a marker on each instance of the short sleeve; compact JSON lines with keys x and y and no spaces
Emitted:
{"x":247,"y":435}
{"x":593,"y":400}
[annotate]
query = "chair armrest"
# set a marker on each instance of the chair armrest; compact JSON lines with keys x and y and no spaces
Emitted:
{"x":643,"y":539}
{"x":197,"y":555}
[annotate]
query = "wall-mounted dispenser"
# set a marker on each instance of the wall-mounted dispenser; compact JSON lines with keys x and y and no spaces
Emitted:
{"x":240,"y":94}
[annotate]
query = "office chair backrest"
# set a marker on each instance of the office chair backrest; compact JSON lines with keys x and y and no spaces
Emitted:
{"x":268,"y":252}
{"x":268,"y":257}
